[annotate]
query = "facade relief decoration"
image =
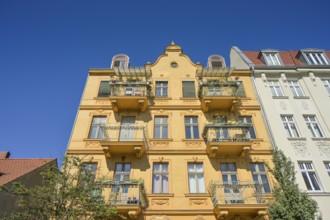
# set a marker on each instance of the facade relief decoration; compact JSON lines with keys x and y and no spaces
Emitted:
{"x":201,"y":201}
{"x":300,"y":148}
{"x":324,"y":147}
{"x":283,"y":105}
{"x":304,"y":105}
{"x":159,"y":217}
{"x":159,"y":202}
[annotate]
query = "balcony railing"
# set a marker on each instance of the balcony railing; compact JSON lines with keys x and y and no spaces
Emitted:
{"x":124,"y":139}
{"x":225,"y":132}
{"x":218,"y":89}
{"x":239,"y":193}
{"x":130,"y":89}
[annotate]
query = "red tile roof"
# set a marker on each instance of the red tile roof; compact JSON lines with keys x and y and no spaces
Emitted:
{"x":11,"y":169}
{"x":289,"y":57}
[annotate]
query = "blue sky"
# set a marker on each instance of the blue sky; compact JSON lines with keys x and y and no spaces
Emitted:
{"x":47,"y":47}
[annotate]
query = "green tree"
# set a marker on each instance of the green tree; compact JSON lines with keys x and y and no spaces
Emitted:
{"x":290,"y":203}
{"x":69,"y":193}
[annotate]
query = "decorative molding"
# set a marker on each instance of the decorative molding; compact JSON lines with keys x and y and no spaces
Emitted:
{"x":160,"y":144}
{"x":159,"y":217}
{"x":160,"y":201}
{"x":304,"y":105}
{"x":324,"y":147}
{"x":193,"y":144}
{"x":92,"y":144}
{"x":283,"y":105}
{"x":300,"y":148}
{"x":197,"y":201}
{"x":199,"y":217}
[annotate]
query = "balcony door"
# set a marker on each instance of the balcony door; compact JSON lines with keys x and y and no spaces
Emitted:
{"x":221,"y":133}
{"x":122,"y":174}
{"x":232,"y":191}
{"x":127,"y":128}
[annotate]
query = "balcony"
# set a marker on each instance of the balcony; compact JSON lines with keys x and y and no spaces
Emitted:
{"x":124,"y":139}
{"x":128,"y":196}
{"x":239,"y":198}
{"x":219,"y":96}
{"x":129,"y":96}
{"x":227,"y":139}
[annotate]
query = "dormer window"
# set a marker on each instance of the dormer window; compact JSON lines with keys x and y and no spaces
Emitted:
{"x":120,"y":61}
{"x":271,"y":58}
{"x":216,"y":61}
{"x":316,"y":58}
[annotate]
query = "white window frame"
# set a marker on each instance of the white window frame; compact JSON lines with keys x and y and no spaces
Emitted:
{"x":162,"y":125}
{"x":191,"y":125}
{"x":313,"y":126}
{"x":259,"y":174}
{"x":275,"y":88}
{"x":91,"y":168}
{"x":123,"y":60}
{"x":308,"y":172}
{"x":162,"y":173}
{"x":97,"y":124}
{"x":296,"y":89}
{"x":289,"y":125}
{"x":327,"y":166}
{"x":316,"y":58}
{"x":163,"y":86}
{"x":326,"y":83}
{"x":198,"y":188}
{"x":272,"y":58}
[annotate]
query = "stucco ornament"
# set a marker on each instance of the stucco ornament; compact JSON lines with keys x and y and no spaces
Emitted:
{"x":324,"y":147}
{"x":300,"y":148}
{"x":304,"y":105}
{"x":283,"y":105}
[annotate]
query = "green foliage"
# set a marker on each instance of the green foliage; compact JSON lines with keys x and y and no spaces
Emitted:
{"x":290,"y":203}
{"x":65,"y":194}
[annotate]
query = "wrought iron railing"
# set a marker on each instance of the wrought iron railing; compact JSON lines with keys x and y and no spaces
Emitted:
{"x":218,"y":89}
{"x":226,"y":132}
{"x":128,"y":192}
{"x":124,"y":132}
{"x":130,"y":89}
{"x":237,"y":193}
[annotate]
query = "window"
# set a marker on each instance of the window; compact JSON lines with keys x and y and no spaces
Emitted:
{"x":272,"y":59}
{"x":309,"y":176}
{"x":316,"y":58}
{"x":161,"y":127}
{"x":188,"y":89}
{"x":160,"y":178}
{"x":191,"y":127}
{"x":96,"y":130}
{"x":295,"y":88}
{"x":326,"y":83}
{"x":248,"y":120}
{"x":122,"y":173}
{"x":313,"y":126}
{"x":161,"y":88}
{"x":259,"y":176}
{"x":229,"y":179}
{"x":216,"y":61}
{"x":275,"y":88}
{"x":90,"y":170}
{"x":290,"y":126}
{"x":104,"y":90}
{"x":327,"y":166}
{"x":196,"y":178}
{"x":120,"y":61}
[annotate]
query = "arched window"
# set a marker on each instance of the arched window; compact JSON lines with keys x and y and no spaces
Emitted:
{"x":120,"y":61}
{"x":216,"y":61}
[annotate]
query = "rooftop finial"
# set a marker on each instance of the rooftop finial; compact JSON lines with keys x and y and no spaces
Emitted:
{"x":172,"y":42}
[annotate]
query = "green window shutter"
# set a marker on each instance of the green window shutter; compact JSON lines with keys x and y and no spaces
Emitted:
{"x":104,"y":90}
{"x":240,"y":90}
{"x":188,"y":88}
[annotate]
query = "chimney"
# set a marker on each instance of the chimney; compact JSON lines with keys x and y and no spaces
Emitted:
{"x":4,"y":155}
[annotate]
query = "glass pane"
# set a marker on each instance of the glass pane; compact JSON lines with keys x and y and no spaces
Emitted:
{"x":314,"y":181}
{"x":187,"y":120}
{"x":223,"y":167}
{"x":265,"y":183}
{"x":261,"y":167}
{"x":92,"y":133}
{"x":192,"y":183}
{"x":127,"y":167}
{"x":164,"y":133}
{"x":191,"y":167}
{"x":156,"y":167}
{"x":196,"y":133}
{"x":199,"y":167}
{"x":225,"y":179}
{"x":306,"y":180}
{"x":119,"y":167}
{"x":252,"y":167}
{"x":194,"y":119}
{"x":157,"y":132}
{"x":201,"y":184}
{"x":188,"y":132}
{"x":157,"y":120}
{"x":165,"y":184}
{"x":165,"y":167}
{"x":156,"y":184}
{"x":232,"y":167}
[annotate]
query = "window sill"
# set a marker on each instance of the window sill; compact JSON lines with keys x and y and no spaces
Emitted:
{"x":297,"y":138}
{"x":101,"y":98}
{"x":257,"y":139}
{"x":161,"y":139}
{"x":197,"y":139}
{"x":92,"y":139}
{"x":301,"y":97}
{"x":280,"y":97}
{"x":196,"y":195}
{"x":321,"y":139}
{"x":163,"y":98}
{"x":161,"y":195}
{"x":318,"y":193}
{"x":188,"y":98}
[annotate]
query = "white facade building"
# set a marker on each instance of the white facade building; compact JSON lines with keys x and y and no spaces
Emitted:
{"x":294,"y":92}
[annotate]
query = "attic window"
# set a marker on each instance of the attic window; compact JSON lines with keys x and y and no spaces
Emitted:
{"x":272,"y":58}
{"x":120,"y":61}
{"x":216,"y":61}
{"x":316,"y":58}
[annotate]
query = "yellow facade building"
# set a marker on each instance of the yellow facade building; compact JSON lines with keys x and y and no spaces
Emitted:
{"x":178,"y":140}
